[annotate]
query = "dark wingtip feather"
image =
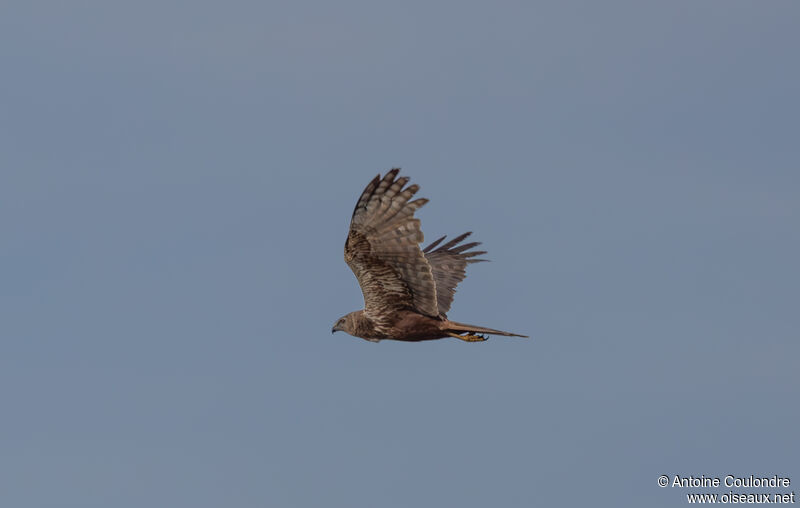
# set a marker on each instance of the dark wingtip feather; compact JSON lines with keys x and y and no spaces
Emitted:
{"x":466,"y":246}
{"x":390,"y":176}
{"x":434,"y":244}
{"x":473,"y":253}
{"x":367,"y":192}
{"x":455,"y":241}
{"x":373,"y":185}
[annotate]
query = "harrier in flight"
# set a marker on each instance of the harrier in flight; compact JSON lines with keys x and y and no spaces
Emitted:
{"x":407,"y":291}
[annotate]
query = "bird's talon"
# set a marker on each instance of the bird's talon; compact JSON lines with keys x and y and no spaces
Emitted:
{"x":467,"y":337}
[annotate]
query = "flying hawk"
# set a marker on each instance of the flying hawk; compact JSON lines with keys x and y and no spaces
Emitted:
{"x":407,"y":291}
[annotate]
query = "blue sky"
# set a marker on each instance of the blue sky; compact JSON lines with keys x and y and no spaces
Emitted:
{"x":176,"y":183}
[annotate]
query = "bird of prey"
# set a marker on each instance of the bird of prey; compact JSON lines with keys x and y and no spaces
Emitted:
{"x":407,"y":291}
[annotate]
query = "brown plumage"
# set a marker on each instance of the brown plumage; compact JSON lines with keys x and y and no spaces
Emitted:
{"x":407,"y":291}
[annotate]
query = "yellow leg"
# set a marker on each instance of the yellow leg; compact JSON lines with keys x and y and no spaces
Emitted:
{"x":467,"y":337}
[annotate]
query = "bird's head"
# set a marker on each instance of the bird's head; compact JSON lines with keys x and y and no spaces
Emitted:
{"x":347,"y":323}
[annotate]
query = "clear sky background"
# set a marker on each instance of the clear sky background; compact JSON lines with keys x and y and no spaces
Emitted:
{"x":176,"y":183}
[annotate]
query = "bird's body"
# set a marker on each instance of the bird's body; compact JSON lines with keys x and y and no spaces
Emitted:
{"x":407,"y":291}
{"x":411,"y":326}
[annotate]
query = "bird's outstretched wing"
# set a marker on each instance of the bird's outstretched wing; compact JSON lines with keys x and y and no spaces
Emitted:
{"x":448,"y":264}
{"x":382,"y":249}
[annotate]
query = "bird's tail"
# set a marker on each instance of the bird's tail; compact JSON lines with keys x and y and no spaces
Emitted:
{"x":462,"y":327}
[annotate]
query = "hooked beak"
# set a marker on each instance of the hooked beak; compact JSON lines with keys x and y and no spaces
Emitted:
{"x":333,"y":330}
